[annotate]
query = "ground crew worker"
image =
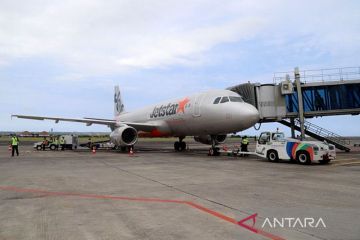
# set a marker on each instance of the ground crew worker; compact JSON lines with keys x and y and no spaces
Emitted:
{"x":244,"y":144}
{"x":90,"y":143}
{"x":15,"y":145}
{"x":56,"y":142}
{"x":44,"y":143}
{"x":62,"y":143}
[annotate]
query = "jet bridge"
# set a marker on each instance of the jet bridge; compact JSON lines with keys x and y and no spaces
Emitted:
{"x":294,"y":96}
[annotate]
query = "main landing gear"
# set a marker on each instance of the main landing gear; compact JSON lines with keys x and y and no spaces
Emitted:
{"x":214,"y":151}
{"x":180,"y":146}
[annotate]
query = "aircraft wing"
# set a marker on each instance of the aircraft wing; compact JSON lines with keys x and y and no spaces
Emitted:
{"x":57,"y":119}
{"x":146,"y":127}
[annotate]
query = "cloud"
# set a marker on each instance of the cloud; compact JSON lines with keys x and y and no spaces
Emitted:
{"x":183,"y":48}
{"x":114,"y":36}
{"x":77,"y":50}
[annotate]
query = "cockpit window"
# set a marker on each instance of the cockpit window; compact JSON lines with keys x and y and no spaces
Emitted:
{"x":217,"y":100}
{"x":235,"y":99}
{"x":224,"y":100}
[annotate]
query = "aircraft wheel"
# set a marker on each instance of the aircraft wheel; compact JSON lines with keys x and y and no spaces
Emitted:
{"x":211,"y":152}
{"x":182,"y":146}
{"x":217,"y":151}
{"x":177,"y":146}
{"x":214,"y":151}
{"x":303,"y":157}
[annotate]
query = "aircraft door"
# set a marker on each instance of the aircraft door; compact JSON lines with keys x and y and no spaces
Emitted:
{"x":197,"y":105}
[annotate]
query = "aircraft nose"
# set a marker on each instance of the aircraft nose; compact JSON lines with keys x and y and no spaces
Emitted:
{"x":250,"y":115}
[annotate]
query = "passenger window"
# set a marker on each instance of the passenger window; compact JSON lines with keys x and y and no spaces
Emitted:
{"x":217,"y":100}
{"x":224,"y":100}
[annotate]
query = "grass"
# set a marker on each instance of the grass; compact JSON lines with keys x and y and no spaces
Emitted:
{"x":85,"y":139}
{"x":39,"y":139}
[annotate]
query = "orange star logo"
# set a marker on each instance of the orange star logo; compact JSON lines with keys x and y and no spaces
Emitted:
{"x":182,"y":104}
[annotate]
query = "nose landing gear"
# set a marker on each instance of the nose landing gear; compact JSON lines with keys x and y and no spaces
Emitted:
{"x":214,"y":151}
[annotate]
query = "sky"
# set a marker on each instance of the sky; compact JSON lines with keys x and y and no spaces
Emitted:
{"x":62,"y":58}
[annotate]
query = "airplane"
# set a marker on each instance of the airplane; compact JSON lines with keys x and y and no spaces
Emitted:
{"x":208,"y":116}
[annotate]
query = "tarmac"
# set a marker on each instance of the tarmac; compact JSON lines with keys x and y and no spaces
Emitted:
{"x":157,"y":193}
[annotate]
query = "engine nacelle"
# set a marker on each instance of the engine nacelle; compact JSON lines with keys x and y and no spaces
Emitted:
{"x":206,"y":139}
{"x":124,"y":136}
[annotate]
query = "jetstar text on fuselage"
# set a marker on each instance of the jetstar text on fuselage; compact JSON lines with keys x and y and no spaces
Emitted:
{"x":164,"y":110}
{"x":170,"y":109}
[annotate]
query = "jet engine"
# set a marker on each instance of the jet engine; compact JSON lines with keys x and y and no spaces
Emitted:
{"x":206,"y":139}
{"x":124,"y":136}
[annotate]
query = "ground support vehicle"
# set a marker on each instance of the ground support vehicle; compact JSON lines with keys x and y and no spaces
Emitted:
{"x":71,"y":142}
{"x":39,"y":145}
{"x":98,"y":145}
{"x":274,"y":146}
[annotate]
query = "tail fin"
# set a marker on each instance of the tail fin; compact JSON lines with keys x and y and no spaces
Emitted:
{"x":118,"y":104}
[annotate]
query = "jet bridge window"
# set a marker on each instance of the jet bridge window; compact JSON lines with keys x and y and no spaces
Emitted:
{"x":236,"y":99}
{"x":224,"y":100}
{"x":217,"y":100}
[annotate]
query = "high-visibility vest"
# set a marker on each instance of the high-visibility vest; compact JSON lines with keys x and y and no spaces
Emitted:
{"x":14,"y":141}
{"x":245,"y":141}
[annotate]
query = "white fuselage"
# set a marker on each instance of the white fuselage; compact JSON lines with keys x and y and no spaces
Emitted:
{"x":196,"y":115}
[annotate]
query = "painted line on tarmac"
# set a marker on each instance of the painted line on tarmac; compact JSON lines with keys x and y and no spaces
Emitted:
{"x":345,"y":164}
{"x":188,"y":203}
{"x":346,"y":159}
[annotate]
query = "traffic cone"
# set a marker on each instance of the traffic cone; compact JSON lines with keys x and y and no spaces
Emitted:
{"x":10,"y":148}
{"x":131,"y":152}
{"x":93,"y":149}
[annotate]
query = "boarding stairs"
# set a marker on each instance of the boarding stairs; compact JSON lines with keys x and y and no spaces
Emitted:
{"x":321,"y":134}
